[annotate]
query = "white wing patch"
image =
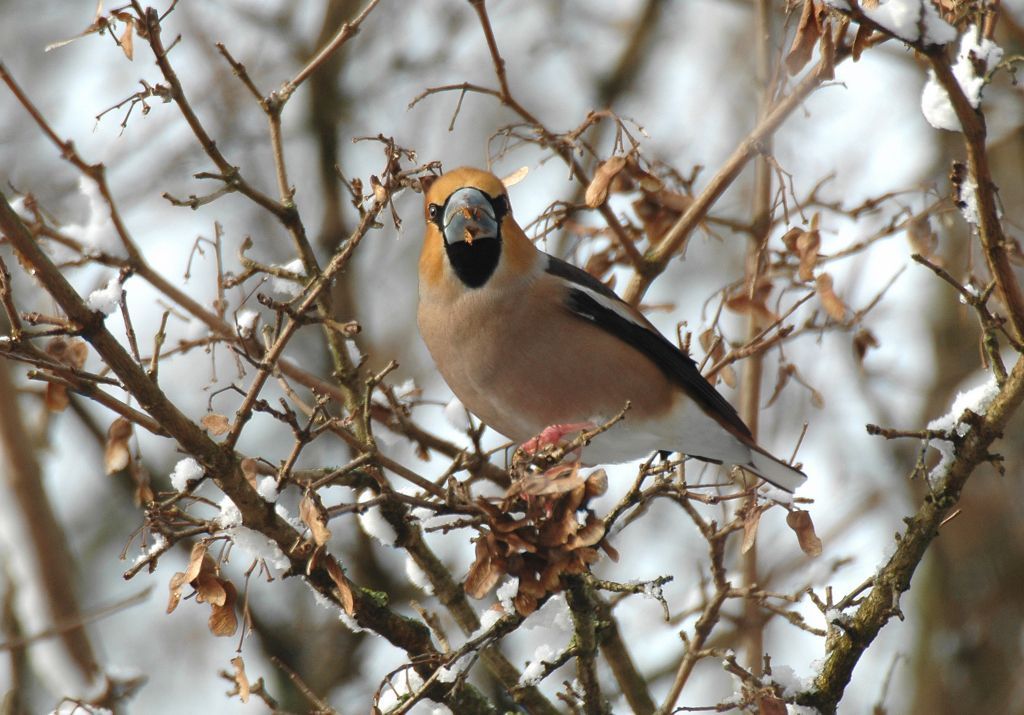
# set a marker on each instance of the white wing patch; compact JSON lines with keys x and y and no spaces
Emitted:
{"x":616,"y":306}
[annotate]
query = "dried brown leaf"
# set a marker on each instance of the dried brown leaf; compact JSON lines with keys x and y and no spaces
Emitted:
{"x":216,"y":424}
{"x":574,"y":501}
{"x":590,"y":535}
{"x":861,"y":41}
{"x":712,"y":344}
{"x":786,"y":371}
{"x":771,"y":705}
{"x":674,"y":201}
{"x":515,"y":177}
{"x":714,"y":347}
{"x":78,"y":352}
{"x":656,"y":216}
{"x":800,"y":522}
{"x":57,"y":348}
{"x":597,"y":192}
{"x":210,"y":589}
{"x":516,"y":543}
{"x":380,"y":194}
{"x":250,"y":470}
{"x":561,"y":528}
{"x":557,"y":480}
{"x":116,"y":454}
{"x":597,"y":483}
{"x":508,"y":525}
{"x":789,"y":238}
{"x":223,"y":621}
{"x":832,"y":304}
{"x":863,"y":340}
{"x":314,"y":515}
{"x":120,"y":429}
{"x":241,"y":680}
{"x":482,"y":577}
{"x":56,"y":397}
{"x":524,"y":605}
{"x":807,"y":245}
{"x":586,"y":556}
{"x":754,"y":306}
{"x":751,"y":520}
{"x":728,"y":375}
{"x":72,"y":353}
{"x":342,"y":585}
{"x":127,"y":39}
{"x":98,"y":25}
{"x":807,"y":33}
{"x":551,"y":578}
{"x":636,"y":177}
{"x":197,"y":560}
{"x":143,"y":494}
{"x":178,"y":581}
{"x":486,"y":569}
{"x":828,"y":53}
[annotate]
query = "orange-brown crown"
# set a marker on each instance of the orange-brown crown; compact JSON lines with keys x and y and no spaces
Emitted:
{"x":517,"y":249}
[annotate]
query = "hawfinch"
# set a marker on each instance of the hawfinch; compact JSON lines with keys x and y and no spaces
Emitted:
{"x":530,"y":343}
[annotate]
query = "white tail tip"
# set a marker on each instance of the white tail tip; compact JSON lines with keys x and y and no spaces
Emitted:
{"x":774,"y":471}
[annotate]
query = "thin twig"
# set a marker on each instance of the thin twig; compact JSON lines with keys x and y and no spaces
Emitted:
{"x":346,"y":32}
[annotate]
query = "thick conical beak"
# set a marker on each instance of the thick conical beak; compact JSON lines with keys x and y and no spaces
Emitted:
{"x":468,"y":215}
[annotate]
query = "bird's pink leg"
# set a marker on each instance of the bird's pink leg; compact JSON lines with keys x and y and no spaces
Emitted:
{"x":553,"y":434}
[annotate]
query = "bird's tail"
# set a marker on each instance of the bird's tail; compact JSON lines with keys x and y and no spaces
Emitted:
{"x":774,"y":470}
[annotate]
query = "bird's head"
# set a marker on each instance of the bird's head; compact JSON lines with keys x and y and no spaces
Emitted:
{"x":469,"y":226}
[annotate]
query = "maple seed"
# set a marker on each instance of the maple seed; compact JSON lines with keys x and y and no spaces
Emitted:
{"x":216,"y":424}
{"x":597,"y":192}
{"x":515,"y":177}
{"x":343,"y":586}
{"x":832,"y":304}
{"x":117,"y":455}
{"x":203,"y":575}
{"x":241,"y":679}
{"x":196,"y":561}
{"x":223,"y":621}
{"x":68,"y":352}
{"x":313,"y":515}
{"x":800,"y":522}
{"x":807,"y":33}
{"x":751,"y":520}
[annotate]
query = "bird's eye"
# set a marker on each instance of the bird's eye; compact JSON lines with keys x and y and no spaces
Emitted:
{"x":434,"y":211}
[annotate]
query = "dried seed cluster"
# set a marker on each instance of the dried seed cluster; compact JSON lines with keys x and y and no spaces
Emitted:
{"x":538,"y":532}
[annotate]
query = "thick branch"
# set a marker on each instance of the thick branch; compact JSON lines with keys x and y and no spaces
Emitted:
{"x":44,"y":537}
{"x":882,"y":602}
{"x":580,"y":598}
{"x":990,"y":228}
{"x":631,"y":681}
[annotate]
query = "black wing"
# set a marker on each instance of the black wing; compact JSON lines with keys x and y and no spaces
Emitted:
{"x":679,"y":366}
{"x":573,"y":274}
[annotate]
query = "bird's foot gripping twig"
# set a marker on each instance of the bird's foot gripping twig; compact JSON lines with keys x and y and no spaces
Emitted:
{"x":552,"y":435}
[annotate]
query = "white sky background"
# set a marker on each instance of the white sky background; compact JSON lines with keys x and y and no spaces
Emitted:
{"x":693,"y":98}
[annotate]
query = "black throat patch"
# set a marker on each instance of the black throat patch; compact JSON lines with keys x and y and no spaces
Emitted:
{"x":474,"y":263}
